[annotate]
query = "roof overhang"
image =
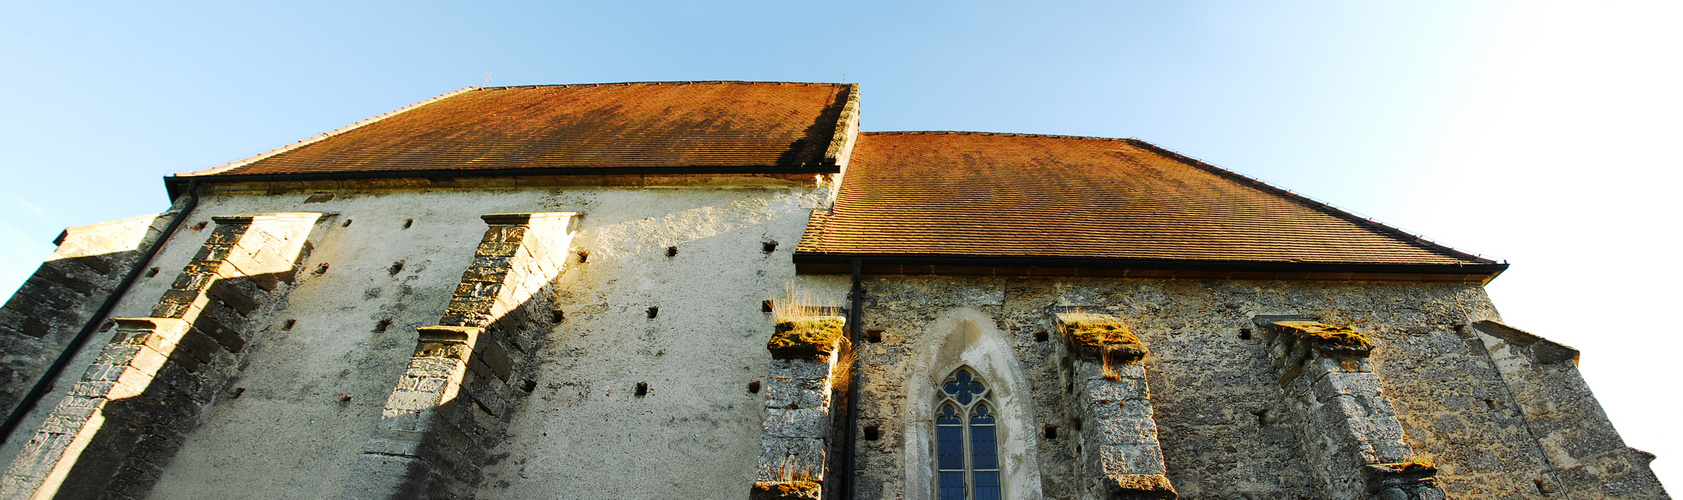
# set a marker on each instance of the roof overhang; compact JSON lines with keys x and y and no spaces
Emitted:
{"x":176,"y":184}
{"x":815,"y":263}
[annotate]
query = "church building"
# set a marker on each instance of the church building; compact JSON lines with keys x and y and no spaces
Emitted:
{"x":726,"y":290}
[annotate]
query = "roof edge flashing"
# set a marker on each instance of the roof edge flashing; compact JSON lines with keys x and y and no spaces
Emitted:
{"x":1155,"y":268}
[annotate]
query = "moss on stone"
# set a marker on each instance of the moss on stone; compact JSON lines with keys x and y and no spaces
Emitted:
{"x":1102,"y":334}
{"x":1328,"y":338}
{"x":806,"y":337}
{"x":1142,"y":486}
{"x":784,"y":490}
{"x":1413,"y":464}
{"x":1095,"y":330}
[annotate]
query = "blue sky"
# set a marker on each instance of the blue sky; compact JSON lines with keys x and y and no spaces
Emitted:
{"x":1537,"y":132}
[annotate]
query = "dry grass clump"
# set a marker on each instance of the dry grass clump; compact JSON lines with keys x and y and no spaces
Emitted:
{"x":798,"y":303}
{"x":805,"y":327}
{"x":841,"y":377}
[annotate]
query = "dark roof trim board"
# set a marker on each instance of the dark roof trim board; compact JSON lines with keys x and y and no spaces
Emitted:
{"x":175,"y":184}
{"x":811,"y":263}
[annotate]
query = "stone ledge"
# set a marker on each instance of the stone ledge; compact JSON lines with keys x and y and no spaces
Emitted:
{"x":1097,"y":333}
{"x":1326,"y":339}
{"x":806,"y":337}
{"x":1140,"y":486}
{"x":785,"y":490}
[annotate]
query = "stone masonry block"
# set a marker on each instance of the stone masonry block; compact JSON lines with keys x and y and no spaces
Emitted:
{"x":782,"y":458}
{"x":504,"y":234}
{"x":497,"y":249}
{"x":495,"y":357}
{"x":800,"y":368}
{"x":1103,"y":390}
{"x":799,"y":423}
{"x":1120,"y":409}
{"x":413,"y":400}
{"x":1130,"y":431}
{"x":1362,"y":385}
{"x":1131,"y":459}
{"x":235,"y":295}
{"x":212,"y":328}
{"x":1094,"y":370}
{"x":798,"y":393}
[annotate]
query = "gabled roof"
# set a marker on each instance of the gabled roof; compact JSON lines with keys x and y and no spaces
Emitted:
{"x":922,"y":200}
{"x":662,"y":127}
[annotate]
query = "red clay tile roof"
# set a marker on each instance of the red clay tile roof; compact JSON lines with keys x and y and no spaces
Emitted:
{"x":685,"y":125}
{"x":952,"y":194}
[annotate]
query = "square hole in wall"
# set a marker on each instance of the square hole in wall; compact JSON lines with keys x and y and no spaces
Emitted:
{"x":872,"y":432}
{"x":873,"y":335}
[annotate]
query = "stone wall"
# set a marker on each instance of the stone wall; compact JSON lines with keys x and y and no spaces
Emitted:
{"x":639,"y":365}
{"x":1225,"y":422}
{"x":663,"y":291}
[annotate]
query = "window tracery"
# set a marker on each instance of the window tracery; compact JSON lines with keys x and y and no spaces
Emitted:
{"x":966,"y":440}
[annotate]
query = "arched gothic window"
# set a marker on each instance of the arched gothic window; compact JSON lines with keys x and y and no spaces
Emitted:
{"x":966,"y":448}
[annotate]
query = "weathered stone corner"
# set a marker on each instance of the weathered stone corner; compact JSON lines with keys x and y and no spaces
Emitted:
{"x":1141,"y":487}
{"x":806,"y":337}
{"x":784,"y":490}
{"x":1100,"y":334}
{"x":1540,"y":350}
{"x":1324,"y":338}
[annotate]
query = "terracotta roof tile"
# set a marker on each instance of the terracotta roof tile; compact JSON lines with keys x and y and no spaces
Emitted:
{"x":659,"y":124}
{"x":1033,"y":196}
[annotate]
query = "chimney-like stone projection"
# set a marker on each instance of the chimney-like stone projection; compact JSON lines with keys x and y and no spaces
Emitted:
{"x":447,"y":408}
{"x":1352,"y":439}
{"x":805,"y":366}
{"x":1119,"y":448}
{"x":110,"y":437}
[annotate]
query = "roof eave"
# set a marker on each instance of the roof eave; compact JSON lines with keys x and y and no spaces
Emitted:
{"x":880,"y":264}
{"x":175,"y":183}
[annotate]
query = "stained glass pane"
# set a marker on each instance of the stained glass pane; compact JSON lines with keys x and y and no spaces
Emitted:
{"x":949,"y":447}
{"x":948,"y":416}
{"x":987,"y":485}
{"x":952,"y":486}
{"x":984,"y":454}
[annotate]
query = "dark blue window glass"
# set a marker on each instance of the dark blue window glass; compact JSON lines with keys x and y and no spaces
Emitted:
{"x":987,"y":485}
{"x":984,"y":453}
{"x":952,"y":485}
{"x":966,"y":440}
{"x":950,"y":447}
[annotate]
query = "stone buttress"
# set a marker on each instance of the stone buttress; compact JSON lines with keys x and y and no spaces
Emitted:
{"x":1120,"y":452}
{"x":797,"y":415}
{"x":450,"y":404}
{"x":1352,"y":439}
{"x":1586,"y":456}
{"x":40,"y":320}
{"x":111,"y":436}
